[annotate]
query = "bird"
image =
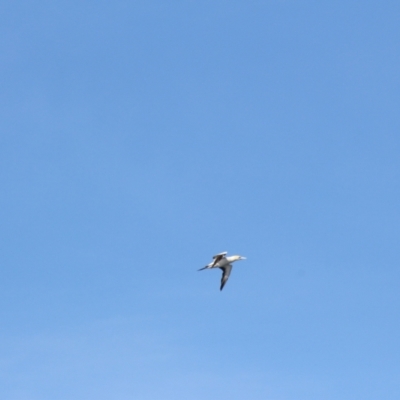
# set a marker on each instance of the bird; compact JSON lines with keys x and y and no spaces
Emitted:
{"x":225,"y":263}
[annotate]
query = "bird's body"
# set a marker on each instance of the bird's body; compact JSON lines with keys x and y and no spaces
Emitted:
{"x":221,"y":261}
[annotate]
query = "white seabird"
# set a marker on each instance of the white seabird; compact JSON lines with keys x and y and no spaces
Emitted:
{"x":221,"y":261}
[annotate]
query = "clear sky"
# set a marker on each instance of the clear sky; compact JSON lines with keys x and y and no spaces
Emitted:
{"x":138,"y":139}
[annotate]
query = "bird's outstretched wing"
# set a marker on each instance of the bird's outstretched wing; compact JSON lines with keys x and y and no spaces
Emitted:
{"x":224,"y":253}
{"x":219,"y":257}
{"x":225,"y":274}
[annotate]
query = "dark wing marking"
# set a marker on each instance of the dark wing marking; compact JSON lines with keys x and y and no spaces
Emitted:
{"x":218,"y":257}
{"x":225,"y":275}
{"x":224,"y":253}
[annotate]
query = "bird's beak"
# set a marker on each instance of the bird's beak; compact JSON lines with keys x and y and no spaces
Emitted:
{"x":242,"y":258}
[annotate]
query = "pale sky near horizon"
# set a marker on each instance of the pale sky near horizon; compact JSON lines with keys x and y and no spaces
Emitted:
{"x":139,"y":138}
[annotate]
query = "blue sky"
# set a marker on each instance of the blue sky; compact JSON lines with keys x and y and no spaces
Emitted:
{"x":139,"y":138}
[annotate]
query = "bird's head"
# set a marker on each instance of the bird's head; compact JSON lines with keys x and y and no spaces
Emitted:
{"x":237,"y":258}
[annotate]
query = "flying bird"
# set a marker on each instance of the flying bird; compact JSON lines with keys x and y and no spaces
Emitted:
{"x":225,"y":263}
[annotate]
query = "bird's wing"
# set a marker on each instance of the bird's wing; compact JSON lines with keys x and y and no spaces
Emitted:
{"x":219,"y":257}
{"x":225,"y":275}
